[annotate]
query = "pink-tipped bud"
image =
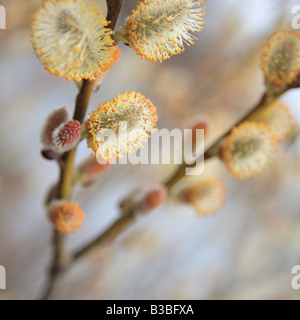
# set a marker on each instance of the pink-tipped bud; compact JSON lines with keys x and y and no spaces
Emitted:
{"x":145,"y":199}
{"x":154,"y":198}
{"x":197,"y":123}
{"x":55,"y":118}
{"x":66,"y":216}
{"x":67,"y":135}
{"x":90,"y":169}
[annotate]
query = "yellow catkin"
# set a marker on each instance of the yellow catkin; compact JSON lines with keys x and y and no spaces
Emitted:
{"x":249,"y":149}
{"x":207,"y":197}
{"x":277,"y":116}
{"x":121,"y":125}
{"x":158,"y":29}
{"x":280,"y":58}
{"x":71,"y":39}
{"x":66,"y":217}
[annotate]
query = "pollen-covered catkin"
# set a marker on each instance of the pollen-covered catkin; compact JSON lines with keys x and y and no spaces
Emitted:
{"x":71,"y":39}
{"x":121,"y":125}
{"x":158,"y":29}
{"x":249,"y":149}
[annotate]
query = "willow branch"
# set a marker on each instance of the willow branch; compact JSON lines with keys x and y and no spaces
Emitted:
{"x":266,"y":99}
{"x":113,"y":11}
{"x":122,"y":223}
{"x":64,"y":192}
{"x":107,"y":236}
{"x":65,"y":185}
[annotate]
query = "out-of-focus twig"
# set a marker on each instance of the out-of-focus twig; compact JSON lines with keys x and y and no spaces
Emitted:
{"x":119,"y":225}
{"x":270,"y":95}
{"x":60,"y":258}
{"x":109,"y":235}
{"x":64,"y":192}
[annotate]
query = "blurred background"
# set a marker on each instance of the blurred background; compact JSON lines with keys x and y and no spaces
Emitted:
{"x":246,"y":251}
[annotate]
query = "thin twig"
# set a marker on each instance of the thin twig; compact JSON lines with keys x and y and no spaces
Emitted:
{"x":266,"y":99}
{"x":108,"y":236}
{"x":113,"y":11}
{"x":57,"y":264}
{"x":65,"y":186}
{"x":64,"y":191}
{"x":119,"y":225}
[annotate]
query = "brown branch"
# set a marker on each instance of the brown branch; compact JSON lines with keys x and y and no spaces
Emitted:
{"x":65,"y":186}
{"x":210,"y":152}
{"x":57,"y":265}
{"x":113,"y":11}
{"x":108,"y":236}
{"x":119,"y":225}
{"x":82,"y":100}
{"x":114,"y":7}
{"x":64,"y":191}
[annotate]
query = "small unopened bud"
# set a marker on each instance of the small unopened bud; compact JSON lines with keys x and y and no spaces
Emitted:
{"x":197,"y":123}
{"x":154,"y":198}
{"x":67,"y":135}
{"x":90,"y":169}
{"x":55,"y":118}
{"x":66,"y":216}
{"x":145,"y":199}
